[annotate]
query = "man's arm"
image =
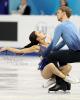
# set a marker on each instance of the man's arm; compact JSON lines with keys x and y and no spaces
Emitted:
{"x":52,"y":46}
{"x":60,"y":45}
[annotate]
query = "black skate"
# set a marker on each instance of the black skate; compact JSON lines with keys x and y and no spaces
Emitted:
{"x":60,"y":85}
{"x":65,"y":88}
{"x":57,"y":88}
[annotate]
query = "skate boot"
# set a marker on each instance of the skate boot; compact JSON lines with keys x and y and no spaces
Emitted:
{"x":49,"y":82}
{"x":72,"y":80}
{"x":60,"y":85}
{"x":57,"y":87}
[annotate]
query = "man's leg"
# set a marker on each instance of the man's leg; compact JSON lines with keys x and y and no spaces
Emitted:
{"x":65,"y":69}
{"x":64,"y":56}
{"x":60,"y":83}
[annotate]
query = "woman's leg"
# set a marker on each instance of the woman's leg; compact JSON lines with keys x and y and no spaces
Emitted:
{"x":66,"y":69}
{"x":46,"y":72}
{"x":50,"y":70}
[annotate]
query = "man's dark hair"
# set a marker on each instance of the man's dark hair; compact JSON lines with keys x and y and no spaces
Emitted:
{"x":66,"y":3}
{"x":67,"y":10}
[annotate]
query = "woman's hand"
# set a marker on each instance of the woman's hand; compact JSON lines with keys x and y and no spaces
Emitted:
{"x":2,"y":49}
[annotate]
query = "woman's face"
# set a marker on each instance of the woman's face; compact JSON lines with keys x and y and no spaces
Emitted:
{"x":40,"y":36}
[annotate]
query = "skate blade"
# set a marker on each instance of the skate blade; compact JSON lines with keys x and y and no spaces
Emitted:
{"x":48,"y":85}
{"x":60,"y":92}
{"x":75,"y":82}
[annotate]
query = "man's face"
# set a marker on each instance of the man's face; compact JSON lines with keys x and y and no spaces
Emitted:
{"x":63,"y":3}
{"x":23,"y":2}
{"x":40,"y":36}
{"x":60,"y":15}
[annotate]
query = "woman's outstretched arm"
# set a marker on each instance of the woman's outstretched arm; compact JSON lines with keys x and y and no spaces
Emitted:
{"x":34,"y":48}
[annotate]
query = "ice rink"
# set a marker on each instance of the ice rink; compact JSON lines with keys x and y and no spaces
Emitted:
{"x":20,"y":79}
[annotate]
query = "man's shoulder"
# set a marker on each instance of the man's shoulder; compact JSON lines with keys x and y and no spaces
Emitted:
{"x":28,"y":7}
{"x":27,"y":10}
{"x":59,"y":26}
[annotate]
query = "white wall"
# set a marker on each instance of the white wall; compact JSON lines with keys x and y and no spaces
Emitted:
{"x":26,"y":24}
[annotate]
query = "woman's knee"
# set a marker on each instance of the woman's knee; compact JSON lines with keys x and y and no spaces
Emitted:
{"x":47,"y":71}
{"x":66,"y":69}
{"x":46,"y":75}
{"x":51,"y":65}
